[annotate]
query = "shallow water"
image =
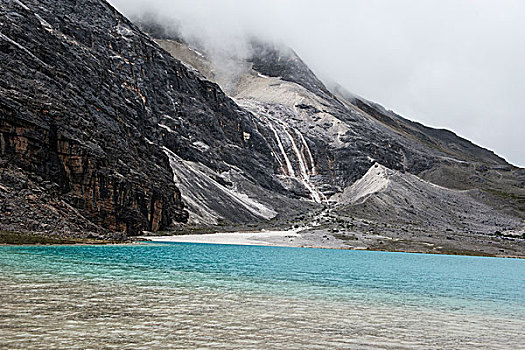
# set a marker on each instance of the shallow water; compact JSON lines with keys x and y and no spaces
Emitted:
{"x":219,"y":296}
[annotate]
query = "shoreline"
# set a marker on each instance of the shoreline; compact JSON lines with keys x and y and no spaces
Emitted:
{"x":301,"y":237}
{"x":257,"y":238}
{"x":281,"y":238}
{"x":18,"y":238}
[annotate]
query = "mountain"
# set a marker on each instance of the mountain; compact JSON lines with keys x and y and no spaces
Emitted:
{"x":107,"y":126}
{"x":418,"y":202}
{"x":91,"y":104}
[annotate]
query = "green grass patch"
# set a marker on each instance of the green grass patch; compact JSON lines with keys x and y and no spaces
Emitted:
{"x":26,"y":238}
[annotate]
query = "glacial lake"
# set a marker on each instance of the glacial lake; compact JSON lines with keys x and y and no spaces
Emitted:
{"x":185,"y":296}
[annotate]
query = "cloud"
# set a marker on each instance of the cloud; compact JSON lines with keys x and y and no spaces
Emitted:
{"x":456,"y":64}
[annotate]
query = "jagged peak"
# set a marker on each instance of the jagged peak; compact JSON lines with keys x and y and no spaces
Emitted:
{"x":276,"y":60}
{"x":266,"y":57}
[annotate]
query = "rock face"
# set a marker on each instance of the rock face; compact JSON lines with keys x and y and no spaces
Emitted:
{"x":115,"y":132}
{"x":73,"y":112}
{"x":400,"y":199}
{"x":326,"y":140}
{"x":35,"y":205}
{"x":88,"y":102}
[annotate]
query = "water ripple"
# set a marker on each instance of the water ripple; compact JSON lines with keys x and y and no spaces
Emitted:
{"x":228,"y":297}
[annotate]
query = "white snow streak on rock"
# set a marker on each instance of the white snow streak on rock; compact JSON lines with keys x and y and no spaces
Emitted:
{"x":8,"y":39}
{"x":289,"y":166}
{"x":189,"y":176}
{"x":166,"y":127}
{"x":288,"y":148}
{"x":196,"y":52}
{"x":201,"y":146}
{"x":304,"y":177}
{"x":313,"y":171}
{"x":44,"y":23}
{"x":22,"y":4}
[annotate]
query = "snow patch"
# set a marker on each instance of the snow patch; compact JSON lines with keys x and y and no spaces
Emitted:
{"x":22,"y":5}
{"x":170,"y":117}
{"x":201,"y":146}
{"x":124,"y":32}
{"x":44,"y":23}
{"x":196,"y":52}
{"x":166,"y":127}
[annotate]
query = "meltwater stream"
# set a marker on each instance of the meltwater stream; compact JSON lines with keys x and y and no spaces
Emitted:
{"x":160,"y":296}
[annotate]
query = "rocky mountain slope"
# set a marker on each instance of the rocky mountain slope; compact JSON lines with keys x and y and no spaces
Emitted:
{"x":328,"y":140}
{"x":404,"y":199}
{"x":114,"y":130}
{"x":357,"y":129}
{"x":93,"y":105}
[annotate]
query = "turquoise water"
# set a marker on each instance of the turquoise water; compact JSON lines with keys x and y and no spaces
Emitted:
{"x":221,"y":296}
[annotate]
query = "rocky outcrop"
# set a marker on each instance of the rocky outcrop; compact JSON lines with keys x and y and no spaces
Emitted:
{"x":282,"y":62}
{"x":88,"y":102}
{"x":388,"y":196}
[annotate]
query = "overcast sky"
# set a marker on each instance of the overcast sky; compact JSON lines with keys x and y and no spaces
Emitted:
{"x":455,"y":64}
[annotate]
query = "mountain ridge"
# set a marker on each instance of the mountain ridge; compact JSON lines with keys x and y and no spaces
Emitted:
{"x":137,"y":135}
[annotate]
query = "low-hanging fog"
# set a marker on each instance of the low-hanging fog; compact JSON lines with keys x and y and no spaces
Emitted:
{"x":455,"y":64}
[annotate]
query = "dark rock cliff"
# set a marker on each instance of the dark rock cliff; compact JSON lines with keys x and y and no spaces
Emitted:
{"x":283,"y":62}
{"x":82,"y":95}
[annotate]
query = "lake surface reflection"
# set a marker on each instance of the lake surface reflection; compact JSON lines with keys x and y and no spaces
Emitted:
{"x":242,"y":297}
